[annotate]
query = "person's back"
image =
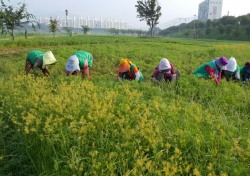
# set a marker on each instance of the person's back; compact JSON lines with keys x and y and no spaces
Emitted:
{"x":35,"y":54}
{"x":245,"y":72}
{"x":83,"y":56}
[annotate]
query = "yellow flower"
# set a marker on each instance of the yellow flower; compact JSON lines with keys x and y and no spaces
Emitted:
{"x":224,"y":174}
{"x":209,"y":166}
{"x":196,"y":172}
{"x":188,"y":167}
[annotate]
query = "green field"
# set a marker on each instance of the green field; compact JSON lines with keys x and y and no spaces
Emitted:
{"x":60,"y":125}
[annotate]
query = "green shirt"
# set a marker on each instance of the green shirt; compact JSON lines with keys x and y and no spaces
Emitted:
{"x":35,"y":54}
{"x":201,"y":70}
{"x":83,"y":56}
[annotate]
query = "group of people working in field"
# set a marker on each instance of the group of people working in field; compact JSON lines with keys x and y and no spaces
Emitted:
{"x":224,"y":68}
{"x":80,"y":62}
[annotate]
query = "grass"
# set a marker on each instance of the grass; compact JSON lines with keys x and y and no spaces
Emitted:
{"x":60,"y":125}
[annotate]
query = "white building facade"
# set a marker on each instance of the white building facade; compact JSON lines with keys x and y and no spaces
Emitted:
{"x":78,"y":22}
{"x":210,"y":10}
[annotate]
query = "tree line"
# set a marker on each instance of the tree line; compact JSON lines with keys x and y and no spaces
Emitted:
{"x":13,"y":18}
{"x":227,"y":27}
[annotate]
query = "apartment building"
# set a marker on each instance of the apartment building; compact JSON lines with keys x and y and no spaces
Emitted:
{"x":78,"y":22}
{"x":210,"y":10}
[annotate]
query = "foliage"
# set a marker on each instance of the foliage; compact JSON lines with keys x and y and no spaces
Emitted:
{"x":61,"y":125}
{"x":248,"y":31}
{"x":234,"y":28}
{"x":85,"y":29}
{"x":12,"y":17}
{"x":53,"y":26}
{"x":149,"y":11}
{"x":228,"y":30}
{"x":68,"y":31}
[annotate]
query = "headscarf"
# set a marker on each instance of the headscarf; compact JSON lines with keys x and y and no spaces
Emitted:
{"x":72,"y":64}
{"x":124,"y":65}
{"x":231,"y":65}
{"x":48,"y":59}
{"x":164,"y":64}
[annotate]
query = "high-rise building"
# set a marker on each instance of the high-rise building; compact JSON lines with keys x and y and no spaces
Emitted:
{"x":210,"y":10}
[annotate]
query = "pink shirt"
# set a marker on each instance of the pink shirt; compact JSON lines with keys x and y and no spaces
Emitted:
{"x":212,"y":73}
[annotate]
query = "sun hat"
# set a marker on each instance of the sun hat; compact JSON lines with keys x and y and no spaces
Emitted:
{"x":164,"y":64}
{"x":48,"y":59}
{"x":247,"y":67}
{"x":124,"y":65}
{"x":221,"y":62}
{"x":231,"y":65}
{"x":72,"y":64}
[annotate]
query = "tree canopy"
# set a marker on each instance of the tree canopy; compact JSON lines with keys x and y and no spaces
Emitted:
{"x":11,"y":16}
{"x":53,"y":26}
{"x":85,"y":29}
{"x":149,"y":11}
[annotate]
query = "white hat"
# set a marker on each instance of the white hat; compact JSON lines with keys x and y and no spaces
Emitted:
{"x":72,"y":64}
{"x":164,"y":64}
{"x":231,"y":65}
{"x":48,"y":59}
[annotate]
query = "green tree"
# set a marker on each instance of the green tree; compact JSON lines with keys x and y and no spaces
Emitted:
{"x":208,"y":31}
{"x":248,"y":31}
{"x":53,"y":26}
{"x":85,"y":29}
{"x":228,"y":30}
{"x":221,"y":29}
{"x":236,"y":33}
{"x":244,"y":20}
{"x":209,"y":24}
{"x":114,"y":31}
{"x":149,"y":11}
{"x":228,"y":20}
{"x":13,"y":17}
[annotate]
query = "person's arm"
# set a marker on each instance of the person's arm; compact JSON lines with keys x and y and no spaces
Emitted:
{"x":156,"y":72}
{"x":172,"y":69}
{"x":119,"y":77}
{"x":212,"y":74}
{"x":86,"y":71}
{"x":137,"y":73}
{"x":28,"y":66}
{"x":237,"y":75}
{"x":46,"y":71}
{"x":218,"y":80}
{"x":137,"y":76}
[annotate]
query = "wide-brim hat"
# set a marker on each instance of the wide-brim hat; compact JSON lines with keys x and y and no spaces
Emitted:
{"x":124,"y":65}
{"x":231,"y":65}
{"x":48,"y":59}
{"x":221,"y":62}
{"x":164,"y":64}
{"x":72,"y":64}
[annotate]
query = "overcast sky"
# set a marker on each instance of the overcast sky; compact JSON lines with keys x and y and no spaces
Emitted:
{"x":125,"y":9}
